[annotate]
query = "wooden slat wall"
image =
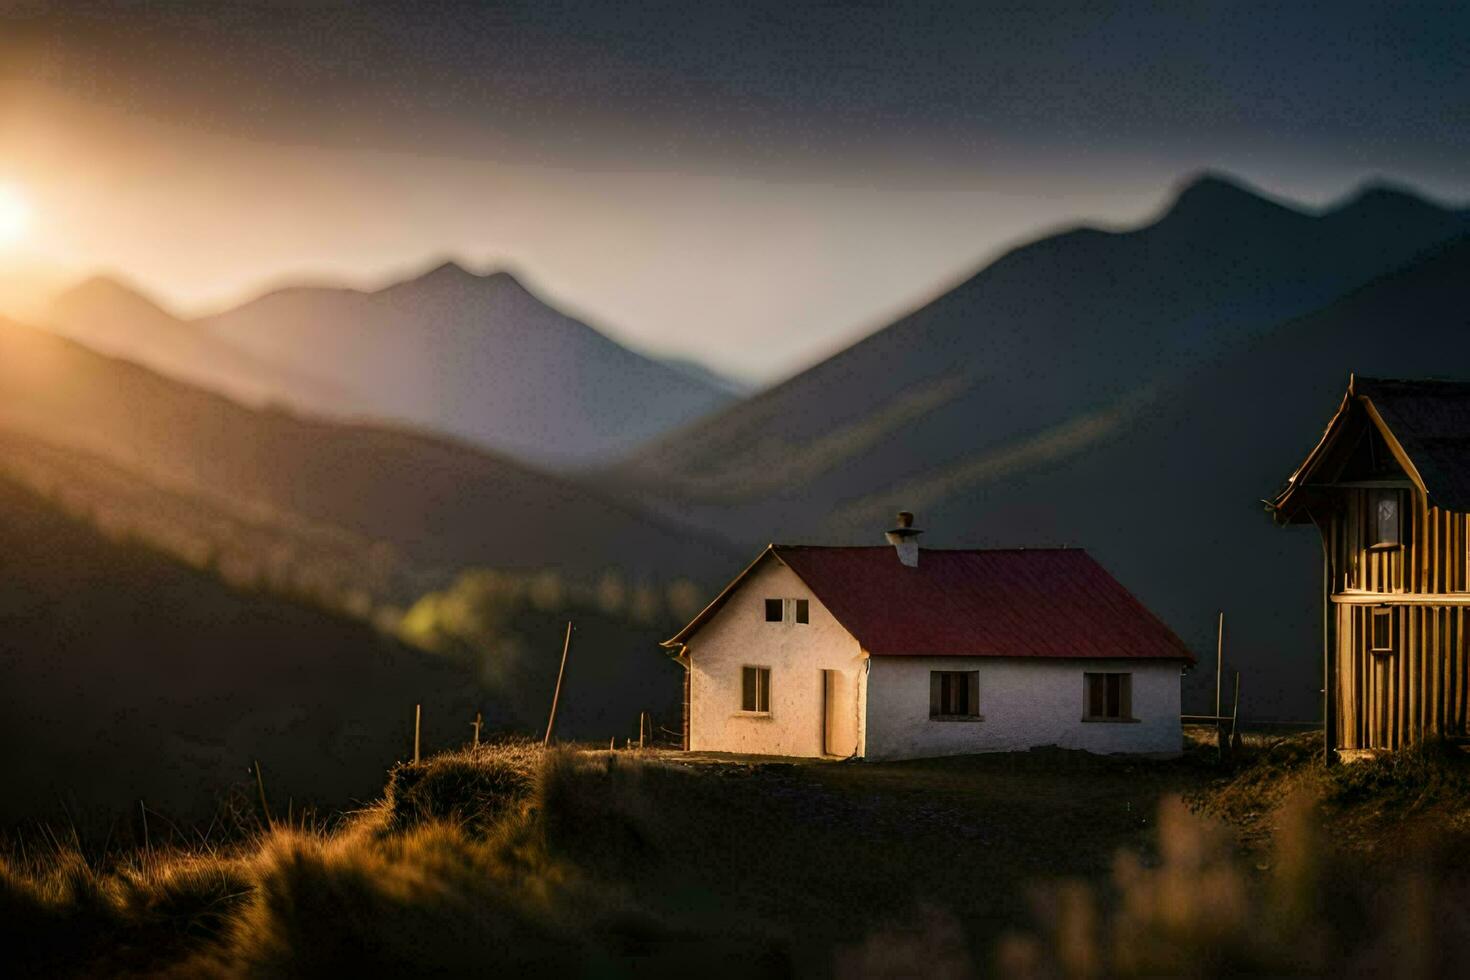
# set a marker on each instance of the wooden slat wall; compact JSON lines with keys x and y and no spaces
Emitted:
{"x":1423,"y":687}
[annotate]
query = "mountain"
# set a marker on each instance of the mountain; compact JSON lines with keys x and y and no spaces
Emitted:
{"x":128,"y":676}
{"x":374,"y":513}
{"x":996,"y":410}
{"x":1035,"y":346}
{"x":479,"y":357}
{"x":117,"y":319}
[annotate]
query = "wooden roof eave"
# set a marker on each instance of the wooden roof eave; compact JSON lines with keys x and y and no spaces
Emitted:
{"x":1394,"y":446}
{"x":1286,"y":506}
{"x":1289,"y":505}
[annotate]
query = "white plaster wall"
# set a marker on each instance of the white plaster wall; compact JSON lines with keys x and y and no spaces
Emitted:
{"x":1024,"y":702}
{"x":796,"y":654}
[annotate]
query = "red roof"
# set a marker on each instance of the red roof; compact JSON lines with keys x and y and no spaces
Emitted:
{"x":1003,"y":603}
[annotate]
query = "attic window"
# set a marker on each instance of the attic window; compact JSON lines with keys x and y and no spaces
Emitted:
{"x":1109,"y":697}
{"x":1387,"y":519}
{"x":1382,"y":636}
{"x":954,"y":694}
{"x":788,"y":611}
{"x":755,"y":689}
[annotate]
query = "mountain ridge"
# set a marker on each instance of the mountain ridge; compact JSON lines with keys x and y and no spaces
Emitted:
{"x":117,"y":318}
{"x":479,"y":356}
{"x":1028,"y":303}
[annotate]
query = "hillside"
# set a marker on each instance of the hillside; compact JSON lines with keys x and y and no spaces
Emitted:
{"x":478,"y":357}
{"x":386,"y":512}
{"x":1037,"y":343}
{"x":125,"y":675}
{"x":512,"y":860}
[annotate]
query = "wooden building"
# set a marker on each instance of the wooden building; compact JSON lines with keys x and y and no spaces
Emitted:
{"x":1388,"y":487}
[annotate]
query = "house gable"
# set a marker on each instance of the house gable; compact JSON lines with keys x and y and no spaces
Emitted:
{"x":742,"y":614}
{"x":814,"y":673}
{"x":1424,"y":426}
{"x":754,"y":576}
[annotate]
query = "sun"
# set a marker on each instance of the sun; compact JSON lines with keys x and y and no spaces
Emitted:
{"x":15,"y":215}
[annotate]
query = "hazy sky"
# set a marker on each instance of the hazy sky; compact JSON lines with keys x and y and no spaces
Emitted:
{"x":751,"y":184}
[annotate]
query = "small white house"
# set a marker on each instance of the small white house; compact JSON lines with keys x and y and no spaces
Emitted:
{"x":901,"y":652}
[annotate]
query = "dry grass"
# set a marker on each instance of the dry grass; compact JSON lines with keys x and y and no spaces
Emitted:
{"x":431,"y":900}
{"x":1300,"y":909}
{"x":473,"y":862}
{"x":1369,"y":803}
{"x":471,"y":788}
{"x":507,"y":859}
{"x":60,"y":916}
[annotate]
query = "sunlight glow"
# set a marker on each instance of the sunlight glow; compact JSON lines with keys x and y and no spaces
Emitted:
{"x":15,"y":215}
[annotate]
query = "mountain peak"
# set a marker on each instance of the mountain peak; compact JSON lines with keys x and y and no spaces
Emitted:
{"x":449,"y":269}
{"x":1212,"y":194}
{"x":1212,"y":182}
{"x":450,"y":276}
{"x":1384,"y":198}
{"x":102,"y":286}
{"x":101,"y":292}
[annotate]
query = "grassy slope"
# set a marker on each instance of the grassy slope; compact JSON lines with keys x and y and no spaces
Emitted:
{"x":127,"y":675}
{"x":578,"y":862}
{"x":1373,"y":806}
{"x":419,"y":504}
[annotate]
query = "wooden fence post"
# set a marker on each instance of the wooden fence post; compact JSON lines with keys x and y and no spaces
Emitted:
{"x":1234,"y":716}
{"x":147,"y":848}
{"x":418,"y":712}
{"x":1219,"y":658}
{"x":476,"y":723}
{"x":556,"y":695}
{"x":260,"y":785}
{"x":642,"y":727}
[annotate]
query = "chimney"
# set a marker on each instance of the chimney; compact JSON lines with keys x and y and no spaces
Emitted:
{"x":905,"y":539}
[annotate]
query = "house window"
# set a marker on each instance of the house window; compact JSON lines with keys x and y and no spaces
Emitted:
{"x":755,"y":689}
{"x":1386,"y":519}
{"x":1109,"y":697}
{"x":1382,"y":635}
{"x":954,"y":694}
{"x":788,"y":611}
